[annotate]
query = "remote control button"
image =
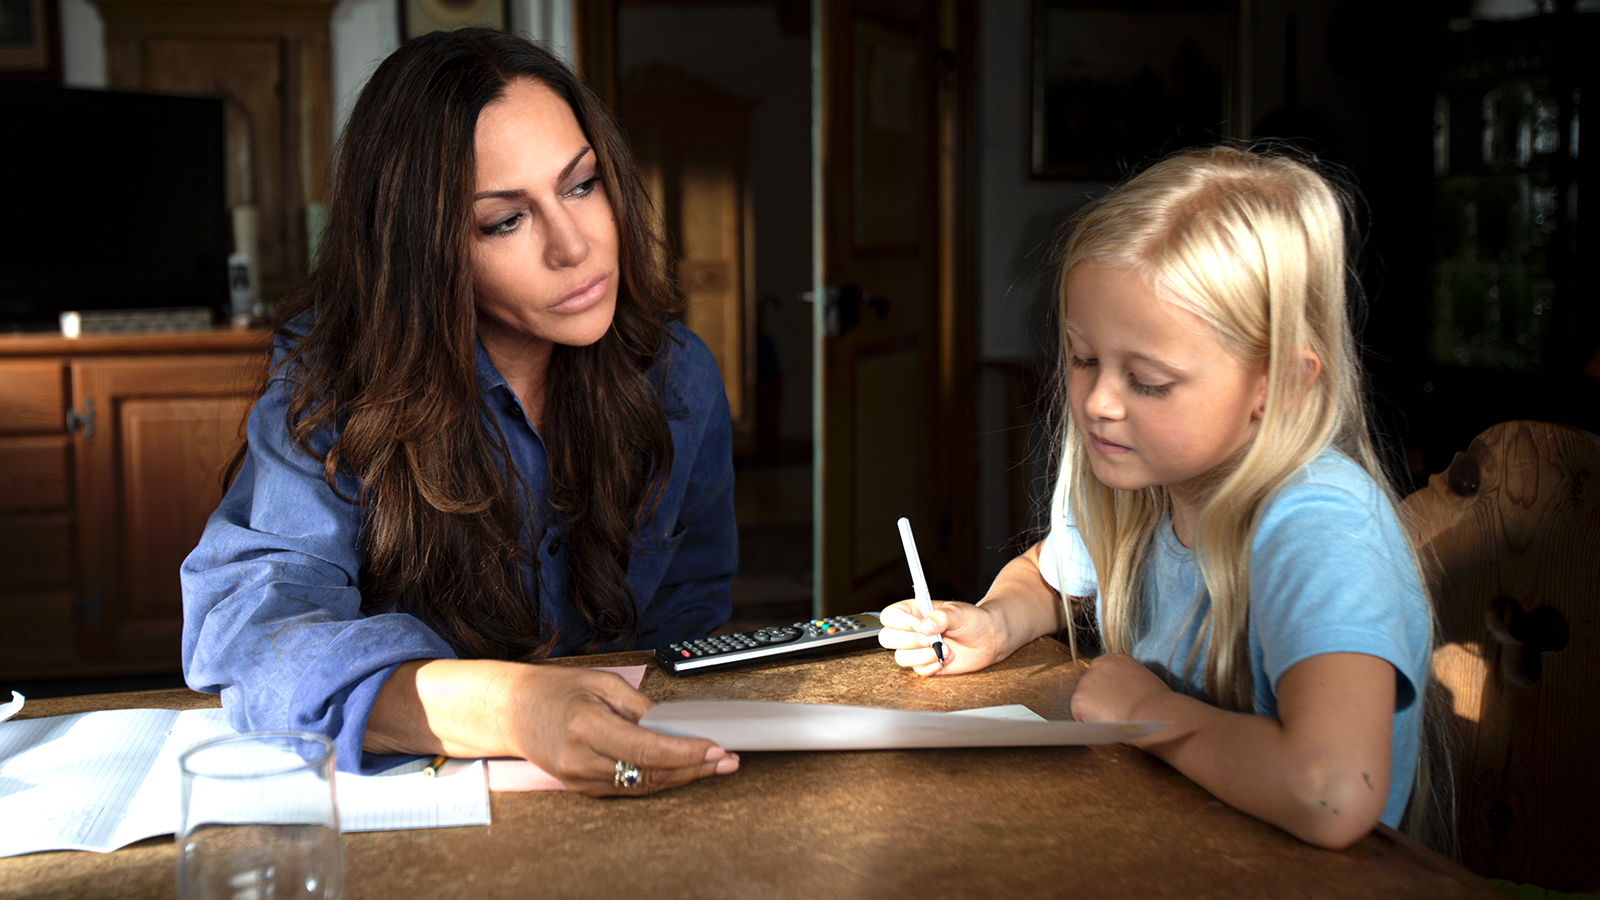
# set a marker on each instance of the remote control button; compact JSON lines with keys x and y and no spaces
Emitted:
{"x":776,"y":634}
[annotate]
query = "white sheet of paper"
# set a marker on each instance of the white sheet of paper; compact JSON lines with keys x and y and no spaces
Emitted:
{"x":12,"y":706}
{"x":102,"y":780}
{"x":764,"y":725}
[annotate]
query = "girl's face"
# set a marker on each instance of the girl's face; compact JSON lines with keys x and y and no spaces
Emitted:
{"x":1160,"y":400}
{"x":544,"y":239}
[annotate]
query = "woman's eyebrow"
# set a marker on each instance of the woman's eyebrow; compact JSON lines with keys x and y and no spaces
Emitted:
{"x":516,"y":193}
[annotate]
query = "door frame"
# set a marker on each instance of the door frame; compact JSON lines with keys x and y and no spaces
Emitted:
{"x":954,"y":543}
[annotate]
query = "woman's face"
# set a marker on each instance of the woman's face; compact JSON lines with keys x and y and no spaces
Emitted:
{"x":544,"y":240}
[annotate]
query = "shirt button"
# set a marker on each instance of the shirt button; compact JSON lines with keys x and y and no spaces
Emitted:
{"x":555,"y":547}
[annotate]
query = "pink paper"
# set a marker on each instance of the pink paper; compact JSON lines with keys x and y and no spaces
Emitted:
{"x":511,"y":774}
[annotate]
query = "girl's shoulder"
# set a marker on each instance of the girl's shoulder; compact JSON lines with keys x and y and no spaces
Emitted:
{"x":1331,"y":475}
{"x":1331,"y":499}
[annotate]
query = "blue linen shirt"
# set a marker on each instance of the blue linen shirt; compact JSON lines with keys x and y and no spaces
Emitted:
{"x":273,"y":615}
{"x":1330,"y":572}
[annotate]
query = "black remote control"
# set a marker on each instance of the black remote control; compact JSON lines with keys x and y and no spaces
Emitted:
{"x":767,"y":644}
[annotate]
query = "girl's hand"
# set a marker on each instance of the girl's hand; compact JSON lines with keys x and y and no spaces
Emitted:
{"x":973,"y":637}
{"x":576,"y":723}
{"x":1114,"y":688}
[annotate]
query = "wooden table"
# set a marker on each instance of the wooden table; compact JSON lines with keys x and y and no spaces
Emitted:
{"x":1028,"y":822}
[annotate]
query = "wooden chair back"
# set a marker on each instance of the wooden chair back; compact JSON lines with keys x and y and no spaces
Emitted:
{"x":1510,"y":537}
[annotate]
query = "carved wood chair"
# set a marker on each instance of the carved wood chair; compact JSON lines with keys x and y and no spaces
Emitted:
{"x":1510,"y":535}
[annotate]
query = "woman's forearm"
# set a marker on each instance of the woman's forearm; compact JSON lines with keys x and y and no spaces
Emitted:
{"x":449,"y":706}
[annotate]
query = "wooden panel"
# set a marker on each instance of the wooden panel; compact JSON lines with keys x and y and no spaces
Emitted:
{"x":38,"y":632}
{"x":1511,"y":533}
{"x":145,"y":485}
{"x":34,"y":398}
{"x":248,"y":74}
{"x":711,"y":272}
{"x":272,"y":61}
{"x":213,"y":340}
{"x":33,"y":473}
{"x":888,"y":402}
{"x":173,"y":453}
{"x":36,"y":551}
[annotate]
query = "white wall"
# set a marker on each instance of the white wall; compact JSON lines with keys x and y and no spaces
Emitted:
{"x":1017,"y":217}
{"x":364,"y":32}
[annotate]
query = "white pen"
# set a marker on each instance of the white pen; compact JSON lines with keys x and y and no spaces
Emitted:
{"x":919,"y":582}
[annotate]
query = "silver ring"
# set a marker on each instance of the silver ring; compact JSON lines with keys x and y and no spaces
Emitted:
{"x":627,"y":775}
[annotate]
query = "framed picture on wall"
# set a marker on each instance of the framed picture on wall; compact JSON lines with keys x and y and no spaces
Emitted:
{"x":422,"y":16}
{"x":1119,"y":83}
{"x":30,"y":41}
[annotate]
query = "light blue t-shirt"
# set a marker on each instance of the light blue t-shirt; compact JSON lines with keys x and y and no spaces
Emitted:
{"x":1330,"y":572}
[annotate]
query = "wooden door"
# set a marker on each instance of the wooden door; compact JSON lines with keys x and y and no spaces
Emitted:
{"x":891,"y":429}
{"x":148,"y":477}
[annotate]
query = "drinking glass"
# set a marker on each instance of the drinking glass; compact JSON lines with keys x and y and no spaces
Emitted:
{"x":258,"y":819}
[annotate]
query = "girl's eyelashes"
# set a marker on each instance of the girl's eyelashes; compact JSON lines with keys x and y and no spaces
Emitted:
{"x":1134,"y":384}
{"x":1148,"y":390}
{"x":585,"y":187}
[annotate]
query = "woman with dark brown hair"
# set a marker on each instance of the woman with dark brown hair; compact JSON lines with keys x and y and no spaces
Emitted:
{"x":485,"y":439}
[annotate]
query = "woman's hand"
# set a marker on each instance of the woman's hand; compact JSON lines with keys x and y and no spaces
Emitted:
{"x":577,"y":723}
{"x":1114,"y":688}
{"x":973,"y":637}
{"x":574,"y":723}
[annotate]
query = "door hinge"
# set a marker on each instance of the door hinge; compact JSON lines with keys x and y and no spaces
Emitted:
{"x":85,"y":419}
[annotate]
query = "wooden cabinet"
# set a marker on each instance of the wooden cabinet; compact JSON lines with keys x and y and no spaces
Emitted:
{"x":111,"y":456}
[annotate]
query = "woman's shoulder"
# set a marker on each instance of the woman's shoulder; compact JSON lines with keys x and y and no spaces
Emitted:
{"x":682,"y":348}
{"x":687,"y":371}
{"x":285,"y":339}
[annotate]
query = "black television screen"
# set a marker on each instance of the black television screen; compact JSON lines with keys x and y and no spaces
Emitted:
{"x":110,"y":200}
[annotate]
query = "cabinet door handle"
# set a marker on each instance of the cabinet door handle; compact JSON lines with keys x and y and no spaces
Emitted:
{"x":85,"y":419}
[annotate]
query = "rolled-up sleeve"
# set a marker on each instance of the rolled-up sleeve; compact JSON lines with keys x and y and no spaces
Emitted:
{"x":273,"y":616}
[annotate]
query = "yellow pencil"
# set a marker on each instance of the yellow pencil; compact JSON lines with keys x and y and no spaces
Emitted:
{"x":433,"y":767}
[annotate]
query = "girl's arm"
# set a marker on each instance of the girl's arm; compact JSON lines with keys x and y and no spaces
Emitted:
{"x":1019,"y":607}
{"x":574,"y":723}
{"x":1320,"y":771}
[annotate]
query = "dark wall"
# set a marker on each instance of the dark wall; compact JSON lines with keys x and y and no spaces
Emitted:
{"x":1425,"y":228}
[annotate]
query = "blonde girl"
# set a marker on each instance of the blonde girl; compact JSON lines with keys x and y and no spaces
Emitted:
{"x":1219,"y":500}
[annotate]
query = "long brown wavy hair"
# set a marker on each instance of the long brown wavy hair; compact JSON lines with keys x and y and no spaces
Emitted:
{"x":383,"y":360}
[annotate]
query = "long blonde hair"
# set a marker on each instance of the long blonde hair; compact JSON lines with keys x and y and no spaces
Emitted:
{"x":1255,"y":246}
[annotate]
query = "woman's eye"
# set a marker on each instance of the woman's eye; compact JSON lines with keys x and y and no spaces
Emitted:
{"x":586,"y":187}
{"x":1148,"y":390}
{"x":1078,"y":362}
{"x":504,"y":226}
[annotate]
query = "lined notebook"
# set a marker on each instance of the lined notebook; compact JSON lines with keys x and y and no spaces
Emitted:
{"x":102,"y":780}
